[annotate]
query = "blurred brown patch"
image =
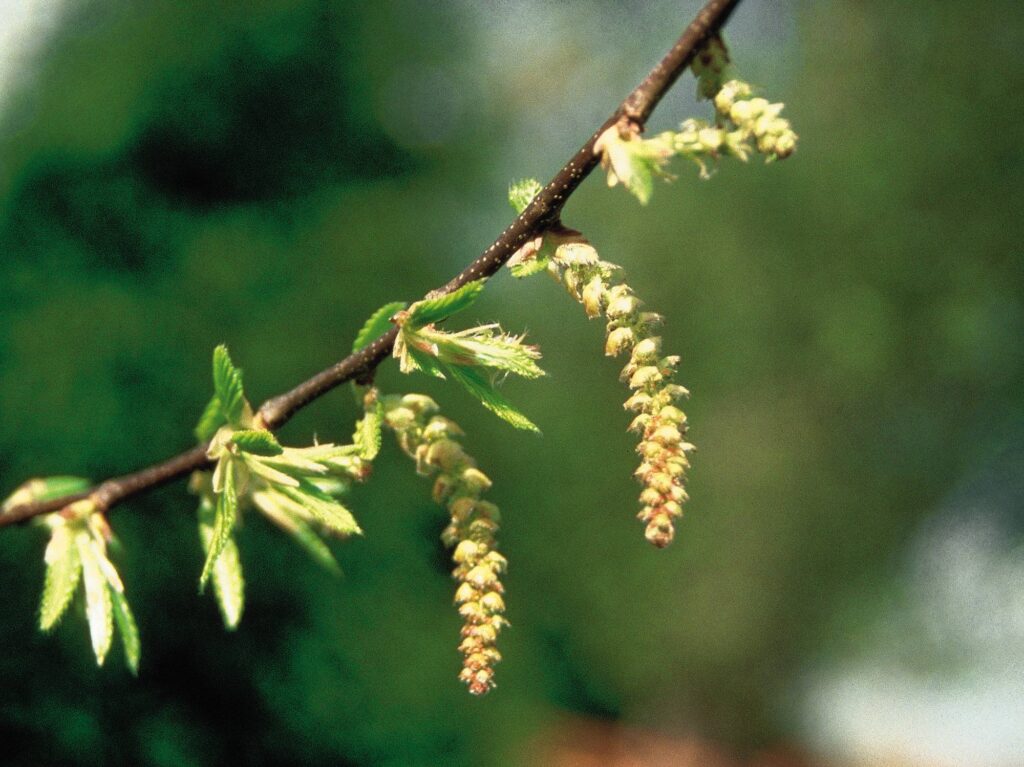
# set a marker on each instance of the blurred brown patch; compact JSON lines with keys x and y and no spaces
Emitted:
{"x":593,"y":743}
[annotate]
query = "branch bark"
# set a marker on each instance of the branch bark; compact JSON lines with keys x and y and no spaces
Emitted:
{"x":543,"y":211}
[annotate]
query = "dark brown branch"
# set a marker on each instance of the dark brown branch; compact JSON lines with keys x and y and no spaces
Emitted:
{"x":539,"y":215}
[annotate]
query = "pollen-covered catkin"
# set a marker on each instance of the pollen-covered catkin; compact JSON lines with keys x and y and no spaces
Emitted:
{"x":650,"y":374}
{"x":431,"y":440}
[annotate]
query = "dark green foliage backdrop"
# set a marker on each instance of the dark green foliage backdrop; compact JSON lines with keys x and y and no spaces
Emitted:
{"x":267,"y":175}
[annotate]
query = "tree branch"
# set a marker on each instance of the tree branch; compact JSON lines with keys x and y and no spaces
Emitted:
{"x":543,"y":211}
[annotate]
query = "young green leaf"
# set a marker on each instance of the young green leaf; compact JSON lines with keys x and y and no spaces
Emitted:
{"x":483,"y":347}
{"x":257,"y":442}
{"x":212,"y":419}
{"x":63,"y":571}
{"x":431,"y":310}
{"x":322,"y":507}
{"x":367,"y":434}
{"x":529,"y":267}
{"x":128,"y":630}
{"x":98,"y":608}
{"x":44,"y":489}
{"x":521,"y":193}
{"x":259,"y":467}
{"x":377,"y":325}
{"x":477,"y":385}
{"x":228,"y":582}
{"x":226,"y":512}
{"x":227,"y":385}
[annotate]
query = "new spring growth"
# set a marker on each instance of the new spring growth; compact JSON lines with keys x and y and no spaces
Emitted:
{"x":297,"y":489}
{"x":77,"y":553}
{"x":744,"y":125}
{"x":598,"y":285}
{"x":432,"y":441}
{"x":476,"y":357}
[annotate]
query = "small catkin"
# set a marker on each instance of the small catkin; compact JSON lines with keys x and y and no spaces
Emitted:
{"x":649,"y":374}
{"x":431,"y":440}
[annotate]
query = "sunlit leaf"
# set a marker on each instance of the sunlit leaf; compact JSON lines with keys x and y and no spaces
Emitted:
{"x":128,"y":630}
{"x":227,"y":385}
{"x":98,"y":608}
{"x":257,"y":442}
{"x":367,"y":435}
{"x":63,"y":571}
{"x":377,"y":325}
{"x":431,"y":310}
{"x":477,"y":385}
{"x":225,"y":514}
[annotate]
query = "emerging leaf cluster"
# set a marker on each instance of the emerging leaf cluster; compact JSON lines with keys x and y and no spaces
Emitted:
{"x":475,"y":357}
{"x":77,"y":553}
{"x":298,"y":489}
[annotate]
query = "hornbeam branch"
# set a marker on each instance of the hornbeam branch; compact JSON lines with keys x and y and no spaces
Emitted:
{"x":543,"y":211}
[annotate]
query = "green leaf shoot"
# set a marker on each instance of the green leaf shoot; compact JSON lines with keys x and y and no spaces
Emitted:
{"x":322,"y":507}
{"x":481,"y":388}
{"x":431,"y":310}
{"x":127,"y":629}
{"x":367,"y":435}
{"x":257,"y":442}
{"x":43,"y":489}
{"x":377,"y":325}
{"x":98,"y":608}
{"x":225,"y":514}
{"x":227,"y":385}
{"x":63,"y":572}
{"x":228,"y":581}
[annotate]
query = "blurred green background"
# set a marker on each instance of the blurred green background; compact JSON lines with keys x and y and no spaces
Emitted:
{"x":175,"y":175}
